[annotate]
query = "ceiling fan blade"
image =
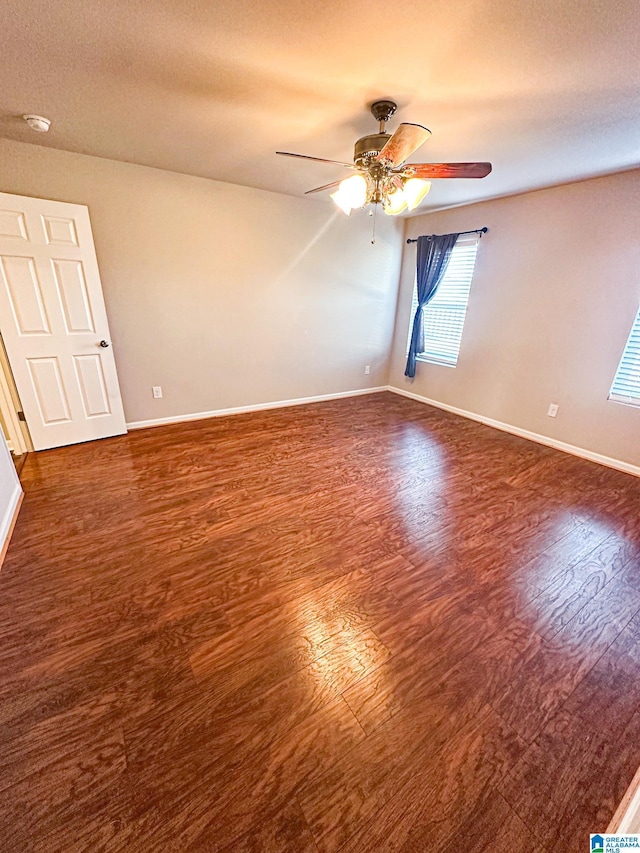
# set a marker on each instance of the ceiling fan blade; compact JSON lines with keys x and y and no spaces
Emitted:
{"x":317,"y":159}
{"x":407,"y":139}
{"x":325,"y":187}
{"x":447,"y":170}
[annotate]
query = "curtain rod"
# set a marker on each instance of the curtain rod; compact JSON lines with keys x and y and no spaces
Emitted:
{"x":474,"y":231}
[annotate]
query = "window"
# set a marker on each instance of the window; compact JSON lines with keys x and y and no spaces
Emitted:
{"x":444,"y":315}
{"x":626,"y":385}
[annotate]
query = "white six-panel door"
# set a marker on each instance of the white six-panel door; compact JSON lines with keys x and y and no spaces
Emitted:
{"x":54,"y":324}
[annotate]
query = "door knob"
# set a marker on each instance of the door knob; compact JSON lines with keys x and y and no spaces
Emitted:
{"x":104,"y":343}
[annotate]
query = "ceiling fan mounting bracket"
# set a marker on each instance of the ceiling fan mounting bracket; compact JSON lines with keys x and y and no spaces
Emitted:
{"x":383,"y":110}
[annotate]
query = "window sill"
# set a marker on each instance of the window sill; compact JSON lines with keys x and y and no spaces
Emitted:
{"x":426,"y":360}
{"x":628,"y":402}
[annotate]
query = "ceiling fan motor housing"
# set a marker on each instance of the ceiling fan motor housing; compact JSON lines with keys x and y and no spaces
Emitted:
{"x":368,"y":147}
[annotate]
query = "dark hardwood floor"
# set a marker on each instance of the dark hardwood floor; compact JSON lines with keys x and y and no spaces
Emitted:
{"x":363,"y":625}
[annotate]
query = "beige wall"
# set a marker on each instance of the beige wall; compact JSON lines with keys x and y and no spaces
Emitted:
{"x":10,"y":492}
{"x":223,"y":295}
{"x":556,"y":289}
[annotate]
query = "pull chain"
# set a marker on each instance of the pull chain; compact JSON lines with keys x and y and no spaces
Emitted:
{"x":373,"y":234}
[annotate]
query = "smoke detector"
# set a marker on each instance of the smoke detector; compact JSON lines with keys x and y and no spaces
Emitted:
{"x":38,"y":123}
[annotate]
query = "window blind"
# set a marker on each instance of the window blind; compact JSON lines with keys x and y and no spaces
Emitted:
{"x":626,"y":385}
{"x":444,"y":315}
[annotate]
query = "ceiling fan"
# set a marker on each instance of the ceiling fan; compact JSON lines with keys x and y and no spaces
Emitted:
{"x":381,"y":174}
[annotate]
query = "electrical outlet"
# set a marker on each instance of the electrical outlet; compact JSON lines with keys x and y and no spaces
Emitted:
{"x":553,"y":410}
{"x":157,"y":392}
{"x":367,"y":369}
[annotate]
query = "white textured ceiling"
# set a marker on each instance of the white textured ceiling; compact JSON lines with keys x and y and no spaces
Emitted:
{"x":547,"y":90}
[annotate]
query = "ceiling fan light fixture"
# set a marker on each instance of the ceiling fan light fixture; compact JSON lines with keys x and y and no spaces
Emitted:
{"x":395,"y":202}
{"x":355,"y":190}
{"x":341,"y":200}
{"x":415,"y":190}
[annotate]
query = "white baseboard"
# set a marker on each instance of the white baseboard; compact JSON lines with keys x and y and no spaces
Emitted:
{"x":525,"y":433}
{"x":626,"y":820}
{"x":257,"y":407}
{"x":9,"y":519}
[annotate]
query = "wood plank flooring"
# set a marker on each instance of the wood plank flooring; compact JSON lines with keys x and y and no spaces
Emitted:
{"x":362,"y":625}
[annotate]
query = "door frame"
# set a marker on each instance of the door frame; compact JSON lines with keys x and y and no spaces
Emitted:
{"x":10,"y":416}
